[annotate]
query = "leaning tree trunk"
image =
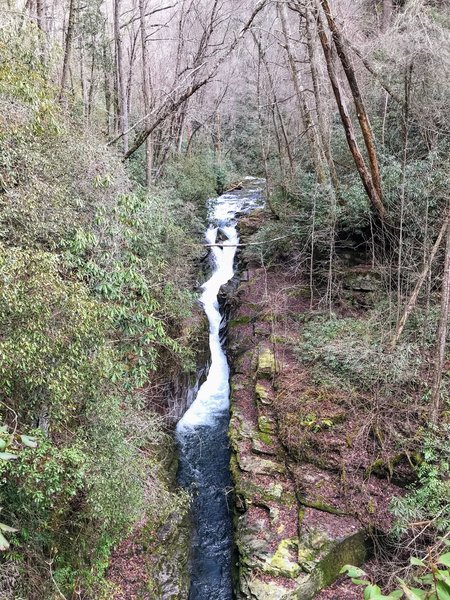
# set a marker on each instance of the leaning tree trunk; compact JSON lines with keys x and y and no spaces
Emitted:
{"x":410,"y":305}
{"x":441,"y":339}
{"x":121,"y":79}
{"x":68,"y":49}
{"x":358,"y":158}
{"x":361,"y":111}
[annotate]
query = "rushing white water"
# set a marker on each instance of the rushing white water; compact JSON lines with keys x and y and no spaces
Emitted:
{"x":202,"y":432}
{"x":214,"y":395}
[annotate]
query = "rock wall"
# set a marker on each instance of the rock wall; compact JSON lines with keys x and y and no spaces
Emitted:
{"x":288,"y":546}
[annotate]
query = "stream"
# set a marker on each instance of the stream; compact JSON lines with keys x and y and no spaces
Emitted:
{"x":204,"y":453}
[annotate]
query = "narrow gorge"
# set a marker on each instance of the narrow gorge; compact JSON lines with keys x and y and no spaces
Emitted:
{"x":216,"y":386}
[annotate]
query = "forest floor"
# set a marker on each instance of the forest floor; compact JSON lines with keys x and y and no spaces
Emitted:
{"x":341,"y":471}
{"x":335,"y":465}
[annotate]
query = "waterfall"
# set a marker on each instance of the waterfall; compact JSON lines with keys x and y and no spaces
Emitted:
{"x":202,"y":431}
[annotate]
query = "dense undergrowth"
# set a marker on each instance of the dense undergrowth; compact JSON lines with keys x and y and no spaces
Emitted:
{"x":96,"y":274}
{"x":360,"y":276}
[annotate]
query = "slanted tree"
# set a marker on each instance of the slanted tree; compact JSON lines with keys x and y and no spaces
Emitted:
{"x":69,"y":38}
{"x":441,"y":336}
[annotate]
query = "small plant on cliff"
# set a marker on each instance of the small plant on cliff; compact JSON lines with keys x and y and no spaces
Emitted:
{"x":432,"y":576}
{"x":428,"y":500}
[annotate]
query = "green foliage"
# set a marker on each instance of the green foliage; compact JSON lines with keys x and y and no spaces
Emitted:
{"x":242,"y":136}
{"x":95,"y":279}
{"x":53,"y":349}
{"x":144,"y":288}
{"x":23,"y":77}
{"x":196,"y":178}
{"x":428,"y":499}
{"x":352,"y":351}
{"x":432,"y":579}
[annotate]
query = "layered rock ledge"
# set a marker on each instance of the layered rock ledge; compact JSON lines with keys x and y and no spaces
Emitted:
{"x":289,"y":546}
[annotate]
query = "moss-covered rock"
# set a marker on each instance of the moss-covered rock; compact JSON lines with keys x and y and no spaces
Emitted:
{"x":260,"y":447}
{"x":357,"y":281}
{"x":262,"y":394}
{"x":267,"y":424}
{"x":260,"y":466}
{"x":284,"y":562}
{"x":257,"y":589}
{"x":267,"y":366}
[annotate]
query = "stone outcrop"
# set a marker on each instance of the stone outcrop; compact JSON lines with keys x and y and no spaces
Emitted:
{"x":288,"y":547}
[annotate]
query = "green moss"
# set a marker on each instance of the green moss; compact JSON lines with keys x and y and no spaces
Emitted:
{"x":266,"y":364}
{"x":265,"y":437}
{"x":351,"y":551}
{"x":282,"y":563}
{"x":243,"y":320}
{"x":267,"y":425}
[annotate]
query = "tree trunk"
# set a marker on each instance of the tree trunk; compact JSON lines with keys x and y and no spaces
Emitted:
{"x":262,"y":56}
{"x":358,"y":158}
{"x":170,"y":105}
{"x":441,"y":338}
{"x":40,"y":14}
{"x":361,"y":112}
{"x":83,"y":79}
{"x":107,"y":90}
{"x":121,"y":79}
{"x":324,"y":136}
{"x":262,"y":130}
{"x":147,"y":92}
{"x":91,"y":90}
{"x":388,"y":8}
{"x":304,"y":109}
{"x":415,"y":295}
{"x":68,"y":48}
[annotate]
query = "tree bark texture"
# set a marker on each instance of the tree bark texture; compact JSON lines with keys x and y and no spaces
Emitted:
{"x":358,"y":158}
{"x":361,"y":112}
{"x":68,"y":48}
{"x":441,"y":338}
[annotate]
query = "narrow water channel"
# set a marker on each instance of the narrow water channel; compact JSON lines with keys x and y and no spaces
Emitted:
{"x":202,"y":431}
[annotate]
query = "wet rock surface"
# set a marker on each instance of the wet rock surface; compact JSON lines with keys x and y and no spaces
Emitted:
{"x":290,"y":544}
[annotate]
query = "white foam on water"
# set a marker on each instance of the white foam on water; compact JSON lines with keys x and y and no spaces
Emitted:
{"x":213,"y":397}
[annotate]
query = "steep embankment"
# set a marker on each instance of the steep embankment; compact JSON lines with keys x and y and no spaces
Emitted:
{"x":98,"y":322}
{"x":304,"y":501}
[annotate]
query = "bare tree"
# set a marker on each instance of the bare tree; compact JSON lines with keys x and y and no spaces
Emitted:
{"x":177,"y":99}
{"x":364,"y":173}
{"x":361,"y":111}
{"x":120,"y":78}
{"x":73,"y":7}
{"x":305,"y":110}
{"x":441,"y":336}
{"x":146,"y":90}
{"x":410,"y":305}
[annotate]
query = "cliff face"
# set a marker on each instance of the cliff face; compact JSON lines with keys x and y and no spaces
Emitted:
{"x":295,"y":524}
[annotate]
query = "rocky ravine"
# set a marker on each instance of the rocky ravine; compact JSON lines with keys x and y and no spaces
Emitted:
{"x":286,"y":549}
{"x":294,"y":530}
